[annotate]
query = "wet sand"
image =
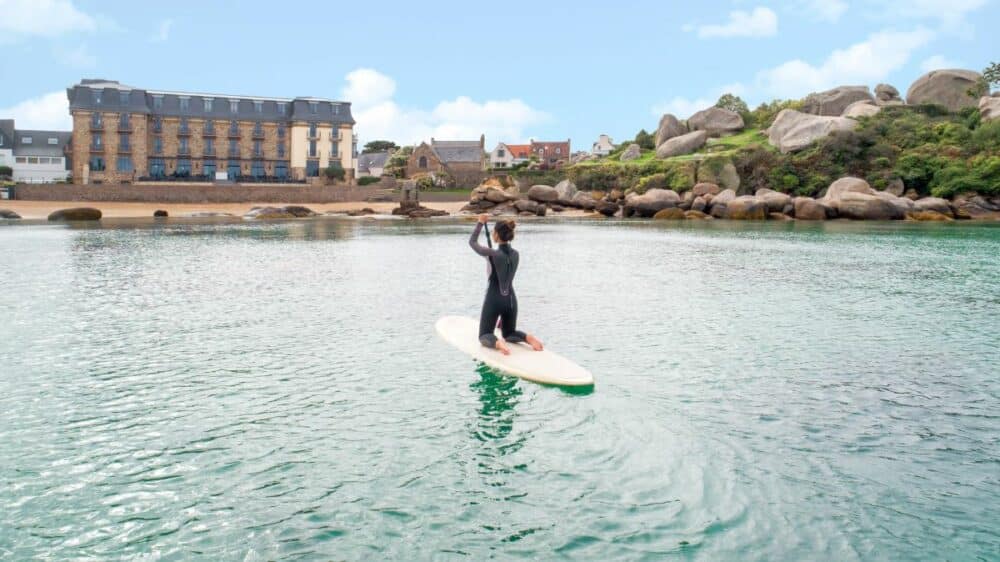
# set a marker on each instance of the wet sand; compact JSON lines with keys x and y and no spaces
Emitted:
{"x":116,"y":209}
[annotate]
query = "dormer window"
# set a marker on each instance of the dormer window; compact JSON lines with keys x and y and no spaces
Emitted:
{"x":157,"y":102}
{"x":97,"y":96}
{"x":53,"y":140}
{"x":208,"y":105}
{"x":185,"y":103}
{"x":336,"y":108}
{"x":123,"y":97}
{"x":25,"y":140}
{"x":281,"y":107}
{"x":258,"y":106}
{"x":313,"y":107}
{"x":234,"y":106}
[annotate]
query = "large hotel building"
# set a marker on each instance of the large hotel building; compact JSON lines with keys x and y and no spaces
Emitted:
{"x":125,"y":134}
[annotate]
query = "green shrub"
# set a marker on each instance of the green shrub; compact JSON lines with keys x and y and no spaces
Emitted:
{"x":645,"y":140}
{"x":425,"y":183}
{"x":368,"y":180}
{"x":763,"y":116}
{"x":335,"y":171}
{"x":655,"y":181}
{"x":6,"y":172}
{"x":980,"y":174}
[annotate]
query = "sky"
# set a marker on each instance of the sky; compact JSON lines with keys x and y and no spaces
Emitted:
{"x":511,"y":70}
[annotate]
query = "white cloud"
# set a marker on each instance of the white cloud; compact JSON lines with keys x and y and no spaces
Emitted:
{"x":46,"y":18}
{"x":378,"y":115}
{"x":951,"y":14}
{"x":80,"y":57}
{"x":868,"y":61}
{"x":938,"y":62}
{"x":761,"y":22}
{"x":162,"y":32}
{"x":50,"y":111}
{"x":826,"y":10}
{"x":682,"y":107}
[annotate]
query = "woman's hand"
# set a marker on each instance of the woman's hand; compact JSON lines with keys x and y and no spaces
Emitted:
{"x":483,"y":218}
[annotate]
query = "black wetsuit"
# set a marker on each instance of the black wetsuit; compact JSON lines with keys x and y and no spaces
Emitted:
{"x":501,"y":302}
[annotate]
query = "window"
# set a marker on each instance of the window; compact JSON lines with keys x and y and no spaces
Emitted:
{"x":210,"y":127}
{"x":123,"y":120}
{"x":422,"y":163}
{"x":334,"y":148}
{"x":558,"y":150}
{"x":257,"y":151}
{"x":257,"y":169}
{"x":209,"y":146}
{"x":500,"y":153}
{"x":21,"y":160}
{"x":97,"y":98}
{"x":96,"y":164}
{"x":184,"y":126}
{"x":258,"y":129}
{"x":96,"y":141}
{"x":26,"y":140}
{"x":312,"y":149}
{"x":52,"y":140}
{"x":185,"y":103}
{"x":32,"y":160}
{"x":234,"y":149}
{"x":43,"y":160}
{"x":312,"y":168}
{"x":208,"y":105}
{"x":312,"y":131}
{"x":281,"y":106}
{"x":313,"y":107}
{"x":123,"y":143}
{"x":281,"y":150}
{"x":124,"y":164}
{"x":258,"y":106}
{"x":233,"y":169}
{"x":157,"y":145}
{"x":183,"y":147}
{"x":281,"y":170}
{"x":210,"y":168}
{"x":157,"y":102}
{"x":234,"y":106}
{"x":336,"y":108}
{"x":281,"y":131}
{"x":95,"y":120}
{"x":157,"y":124}
{"x":234,"y":128}
{"x":123,"y":97}
{"x":183,"y":167}
{"x":157,"y":169}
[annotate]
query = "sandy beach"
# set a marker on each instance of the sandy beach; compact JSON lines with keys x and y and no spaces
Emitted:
{"x":116,"y":209}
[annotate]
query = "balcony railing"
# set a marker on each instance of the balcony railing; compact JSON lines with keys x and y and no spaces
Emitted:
{"x":124,"y":127}
{"x":97,"y":126}
{"x":97,"y":147}
{"x":208,"y":132}
{"x":184,"y":151}
{"x":234,"y":133}
{"x":184,"y":131}
{"x":258,"y":134}
{"x":208,"y":151}
{"x":234,"y":153}
{"x":124,"y":148}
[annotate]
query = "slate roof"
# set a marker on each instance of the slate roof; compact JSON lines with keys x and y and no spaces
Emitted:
{"x":39,"y":145}
{"x":372,"y":160}
{"x":7,"y":134}
{"x":458,"y":151}
{"x":82,"y":96}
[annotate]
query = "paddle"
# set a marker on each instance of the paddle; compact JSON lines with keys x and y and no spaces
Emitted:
{"x":489,"y":242}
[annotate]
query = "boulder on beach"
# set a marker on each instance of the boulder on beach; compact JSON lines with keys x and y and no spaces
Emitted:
{"x":527,"y":206}
{"x":298,"y":211}
{"x":684,"y":144}
{"x":160,"y":213}
{"x":928,"y":216}
{"x":886,"y":94}
{"x":834,"y":102}
{"x":583,"y":200}
{"x":854,"y":199}
{"x":989,"y":108}
{"x":699,"y":204}
{"x":669,"y":128}
{"x":947,"y":87}
{"x":793,"y":130}
{"x":717,"y":206}
{"x":76,"y":214}
{"x":670,"y":213}
{"x":606,"y":208}
{"x":543,"y":193}
{"x":268,"y":213}
{"x":935,"y":204}
{"x":566,"y":190}
{"x":719,"y":172}
{"x":716,"y":121}
{"x":631,"y":152}
{"x":775,"y":201}
{"x":746,"y":207}
{"x":694,"y":214}
{"x":651,"y":202}
{"x":8,"y":214}
{"x":807,"y":208}
{"x":976,"y":206}
{"x":705,"y":188}
{"x":863,"y":108}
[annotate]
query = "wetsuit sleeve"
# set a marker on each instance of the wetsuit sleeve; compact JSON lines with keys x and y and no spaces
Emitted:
{"x":479,"y":248}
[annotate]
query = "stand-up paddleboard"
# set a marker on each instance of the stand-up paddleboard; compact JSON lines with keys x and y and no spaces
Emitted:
{"x":543,"y":367}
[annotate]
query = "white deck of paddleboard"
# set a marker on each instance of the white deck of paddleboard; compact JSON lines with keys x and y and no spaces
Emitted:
{"x":545,"y":367}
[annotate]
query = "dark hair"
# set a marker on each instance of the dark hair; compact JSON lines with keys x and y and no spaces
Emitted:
{"x":505,"y":230}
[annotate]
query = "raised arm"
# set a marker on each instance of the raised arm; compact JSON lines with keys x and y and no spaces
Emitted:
{"x":477,"y":247}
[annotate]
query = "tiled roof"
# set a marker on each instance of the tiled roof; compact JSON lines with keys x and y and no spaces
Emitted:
{"x":7,"y":133}
{"x":372,"y":160}
{"x":458,"y":151}
{"x":520,"y":150}
{"x":39,"y":145}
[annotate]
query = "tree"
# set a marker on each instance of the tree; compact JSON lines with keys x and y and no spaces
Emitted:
{"x":6,"y":171}
{"x":379,"y":146}
{"x":645,"y":140}
{"x":335,"y":171}
{"x":733,"y":103}
{"x":991,"y":74}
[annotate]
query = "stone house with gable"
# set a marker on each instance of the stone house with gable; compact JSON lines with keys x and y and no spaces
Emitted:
{"x":464,"y":162}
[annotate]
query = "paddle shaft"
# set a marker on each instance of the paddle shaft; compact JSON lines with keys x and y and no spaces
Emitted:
{"x":489,"y":242}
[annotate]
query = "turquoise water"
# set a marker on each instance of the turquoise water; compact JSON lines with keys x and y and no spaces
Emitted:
{"x":243,"y":391}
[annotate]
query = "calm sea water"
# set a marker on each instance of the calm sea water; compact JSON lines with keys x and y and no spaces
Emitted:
{"x":246,"y":391}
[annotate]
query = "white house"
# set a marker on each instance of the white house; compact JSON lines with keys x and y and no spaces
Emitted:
{"x":372,"y":164}
{"x":40,"y":156}
{"x":7,"y":143}
{"x":603,"y":146}
{"x":509,"y":155}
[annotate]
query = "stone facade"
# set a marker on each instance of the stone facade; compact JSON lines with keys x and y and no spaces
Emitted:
{"x":463,"y":162}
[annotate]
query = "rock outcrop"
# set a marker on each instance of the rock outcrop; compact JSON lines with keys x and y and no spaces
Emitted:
{"x":936,"y":204}
{"x":775,"y":201}
{"x":651,"y":202}
{"x":76,"y":214}
{"x":8,"y":214}
{"x":631,"y":152}
{"x":670,"y":213}
{"x":704,"y":188}
{"x":973,"y":205}
{"x":669,"y":128}
{"x":863,"y":108}
{"x":718,"y":203}
{"x":854,"y":199}
{"x":566,"y":190}
{"x":160,"y":214}
{"x":583,"y":200}
{"x":415,"y":210}
{"x":833,"y":102}
{"x":746,"y":207}
{"x":287,"y":212}
{"x":809,"y":209}
{"x":887,"y":95}
{"x":793,"y":130}
{"x":716,"y":121}
{"x":543,"y":193}
{"x":684,"y":144}
{"x":989,"y":108}
{"x":949,"y":88}
{"x":722,"y":174}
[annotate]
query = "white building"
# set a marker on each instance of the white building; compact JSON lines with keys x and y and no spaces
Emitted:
{"x":372,"y":164}
{"x":34,"y":156}
{"x":501,"y":157}
{"x":603,"y":146}
{"x":7,"y":143}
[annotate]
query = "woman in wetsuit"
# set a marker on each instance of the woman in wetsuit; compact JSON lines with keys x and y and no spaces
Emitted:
{"x":501,"y":302}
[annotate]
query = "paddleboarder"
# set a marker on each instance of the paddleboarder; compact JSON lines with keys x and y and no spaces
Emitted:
{"x":501,"y":302}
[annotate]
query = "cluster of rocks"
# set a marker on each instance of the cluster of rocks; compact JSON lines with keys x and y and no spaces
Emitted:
{"x":675,"y":137}
{"x":76,"y":214}
{"x":286,"y":212}
{"x":8,"y":214}
{"x":495,"y":198}
{"x":414,"y":210}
